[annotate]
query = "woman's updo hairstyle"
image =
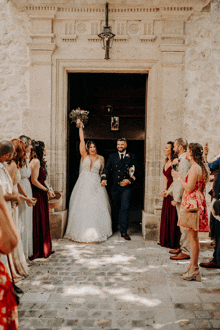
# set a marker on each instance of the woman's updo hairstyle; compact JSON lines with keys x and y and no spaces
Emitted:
{"x":39,"y":151}
{"x":25,"y":139}
{"x":197,"y":154}
{"x":89,"y":143}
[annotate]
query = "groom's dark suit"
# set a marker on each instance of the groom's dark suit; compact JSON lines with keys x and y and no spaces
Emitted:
{"x":121,"y":196}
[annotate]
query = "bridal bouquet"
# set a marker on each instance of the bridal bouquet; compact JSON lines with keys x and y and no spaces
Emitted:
{"x":79,"y":115}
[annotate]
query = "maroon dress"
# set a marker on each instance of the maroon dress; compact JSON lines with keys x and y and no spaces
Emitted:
{"x":169,"y":231}
{"x":41,"y":228}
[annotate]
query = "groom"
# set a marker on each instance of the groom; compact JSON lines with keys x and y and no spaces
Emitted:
{"x":121,"y":166}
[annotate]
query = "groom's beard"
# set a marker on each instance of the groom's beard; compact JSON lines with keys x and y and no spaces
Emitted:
{"x":121,"y":150}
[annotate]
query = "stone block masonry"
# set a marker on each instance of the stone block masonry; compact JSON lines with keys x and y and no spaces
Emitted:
{"x":14,"y":71}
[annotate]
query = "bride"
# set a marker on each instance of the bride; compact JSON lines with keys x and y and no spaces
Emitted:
{"x":89,"y":218}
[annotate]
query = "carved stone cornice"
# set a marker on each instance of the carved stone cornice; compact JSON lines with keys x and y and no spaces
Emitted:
{"x":128,"y":19}
{"x":162,"y":7}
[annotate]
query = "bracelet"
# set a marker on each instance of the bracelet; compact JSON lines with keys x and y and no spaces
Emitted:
{"x":179,"y":179}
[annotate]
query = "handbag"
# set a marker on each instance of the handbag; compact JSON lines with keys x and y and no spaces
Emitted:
{"x":189,"y":218}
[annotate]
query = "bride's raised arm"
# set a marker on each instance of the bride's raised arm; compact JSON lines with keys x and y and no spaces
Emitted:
{"x":82,"y":145}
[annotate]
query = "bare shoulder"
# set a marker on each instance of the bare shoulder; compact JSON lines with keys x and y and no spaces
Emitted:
{"x":35,"y":162}
{"x":101,"y":157}
{"x":12,"y":165}
{"x":195,"y":169}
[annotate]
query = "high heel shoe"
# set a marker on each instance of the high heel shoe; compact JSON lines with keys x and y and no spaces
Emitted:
{"x":184,"y":271}
{"x":195,"y":275}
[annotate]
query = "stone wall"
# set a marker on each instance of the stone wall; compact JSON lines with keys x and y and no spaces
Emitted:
{"x":14,"y":71}
{"x":202,"y":79}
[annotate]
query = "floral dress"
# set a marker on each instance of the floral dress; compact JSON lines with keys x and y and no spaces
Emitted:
{"x":196,"y":199}
{"x":8,"y":307}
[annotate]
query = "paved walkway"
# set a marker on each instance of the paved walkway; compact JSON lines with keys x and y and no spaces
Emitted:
{"x":129,"y":285}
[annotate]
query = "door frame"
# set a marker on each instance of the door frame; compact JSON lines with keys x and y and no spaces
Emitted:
{"x":58,"y":163}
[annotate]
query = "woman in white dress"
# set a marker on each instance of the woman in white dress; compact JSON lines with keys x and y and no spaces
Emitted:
{"x":25,"y":212}
{"x":17,"y":257}
{"x":89,"y":218}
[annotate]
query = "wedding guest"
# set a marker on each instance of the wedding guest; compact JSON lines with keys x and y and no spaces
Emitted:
{"x":212,"y":218}
{"x":14,"y":166}
{"x":169,"y":231}
{"x":25,"y":212}
{"x":7,"y":150}
{"x":176,"y":190}
{"x":215,"y":261}
{"x":42,"y":246}
{"x":8,"y":241}
{"x":212,"y":193}
{"x":193,"y":197}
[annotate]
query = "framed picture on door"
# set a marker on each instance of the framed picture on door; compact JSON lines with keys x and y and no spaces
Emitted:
{"x":114,"y":123}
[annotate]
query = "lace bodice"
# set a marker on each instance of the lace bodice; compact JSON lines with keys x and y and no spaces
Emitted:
{"x":88,"y":167}
{"x":26,"y":171}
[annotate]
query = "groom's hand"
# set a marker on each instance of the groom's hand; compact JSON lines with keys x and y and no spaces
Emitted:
{"x":124,"y":183}
{"x":104,"y":183}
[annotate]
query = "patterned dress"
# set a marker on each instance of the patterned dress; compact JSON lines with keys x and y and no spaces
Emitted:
{"x":196,"y":199}
{"x":8,"y":307}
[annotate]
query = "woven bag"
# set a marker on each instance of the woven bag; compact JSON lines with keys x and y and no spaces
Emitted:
{"x":189,"y":218}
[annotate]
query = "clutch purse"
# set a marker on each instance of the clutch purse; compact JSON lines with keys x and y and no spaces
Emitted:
{"x":189,"y":218}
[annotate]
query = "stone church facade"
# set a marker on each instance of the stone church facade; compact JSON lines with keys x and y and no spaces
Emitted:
{"x":175,"y":42}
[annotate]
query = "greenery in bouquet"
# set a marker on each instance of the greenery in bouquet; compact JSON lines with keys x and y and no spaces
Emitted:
{"x":81,"y":114}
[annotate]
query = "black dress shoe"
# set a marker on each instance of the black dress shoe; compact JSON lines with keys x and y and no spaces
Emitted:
{"x":17,"y":289}
{"x":126,"y":236}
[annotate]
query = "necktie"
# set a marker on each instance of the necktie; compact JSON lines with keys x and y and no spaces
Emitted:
{"x":122,"y":156}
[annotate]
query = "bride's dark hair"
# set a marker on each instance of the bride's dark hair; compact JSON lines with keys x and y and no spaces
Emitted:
{"x":89,"y":143}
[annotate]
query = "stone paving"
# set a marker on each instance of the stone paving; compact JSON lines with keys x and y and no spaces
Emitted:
{"x":117,"y":285}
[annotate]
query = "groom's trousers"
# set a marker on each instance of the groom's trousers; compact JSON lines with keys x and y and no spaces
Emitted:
{"x":121,"y":197}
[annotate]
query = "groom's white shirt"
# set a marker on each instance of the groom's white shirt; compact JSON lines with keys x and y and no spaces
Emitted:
{"x":122,"y":153}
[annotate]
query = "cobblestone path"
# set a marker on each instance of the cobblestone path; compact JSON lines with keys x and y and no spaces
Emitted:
{"x":117,"y":285}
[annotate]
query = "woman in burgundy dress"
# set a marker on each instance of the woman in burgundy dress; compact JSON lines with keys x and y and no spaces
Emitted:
{"x":42,"y":246}
{"x":169,"y":231}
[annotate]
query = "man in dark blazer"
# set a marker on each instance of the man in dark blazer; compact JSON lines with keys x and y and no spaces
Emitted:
{"x":122,"y":167}
{"x":215,"y":262}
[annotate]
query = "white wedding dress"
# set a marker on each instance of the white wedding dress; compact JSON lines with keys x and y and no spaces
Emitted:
{"x":89,"y":218}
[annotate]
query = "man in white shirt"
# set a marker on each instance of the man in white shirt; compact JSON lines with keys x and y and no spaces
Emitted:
{"x":6,"y":153}
{"x":177,"y":190}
